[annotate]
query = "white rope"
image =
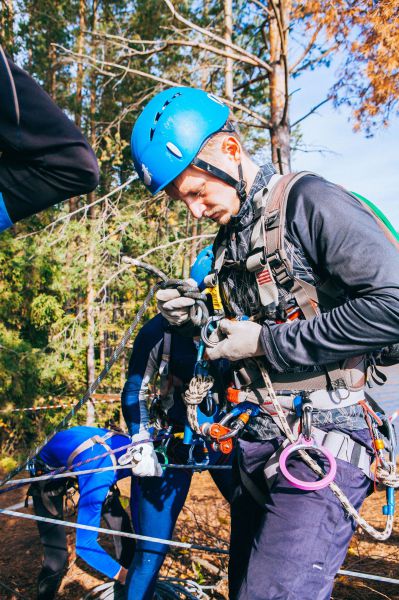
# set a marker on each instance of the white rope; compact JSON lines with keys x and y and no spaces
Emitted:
{"x":66,"y":474}
{"x":198,"y":388}
{"x":368,"y":576}
{"x":135,"y":536}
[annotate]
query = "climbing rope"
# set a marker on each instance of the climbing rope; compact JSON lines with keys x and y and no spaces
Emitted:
{"x":198,"y":388}
{"x":349,"y":508}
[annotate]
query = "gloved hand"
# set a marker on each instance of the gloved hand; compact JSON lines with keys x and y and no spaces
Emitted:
{"x":236,"y":340}
{"x":174,"y":307}
{"x":143,"y":460}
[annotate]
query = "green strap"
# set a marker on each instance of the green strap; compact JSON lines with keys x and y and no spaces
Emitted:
{"x":379,"y":214}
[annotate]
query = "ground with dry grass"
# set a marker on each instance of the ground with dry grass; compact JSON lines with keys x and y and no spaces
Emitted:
{"x":204,"y":520}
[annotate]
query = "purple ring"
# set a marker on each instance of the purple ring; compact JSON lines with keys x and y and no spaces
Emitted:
{"x":304,"y":444}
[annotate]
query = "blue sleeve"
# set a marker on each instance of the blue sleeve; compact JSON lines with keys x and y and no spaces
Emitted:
{"x":93,"y":491}
{"x":143,"y":365}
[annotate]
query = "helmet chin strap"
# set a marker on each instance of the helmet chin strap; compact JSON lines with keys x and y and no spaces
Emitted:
{"x":240,"y":185}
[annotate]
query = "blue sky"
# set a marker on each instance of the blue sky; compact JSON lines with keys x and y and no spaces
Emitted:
{"x":369,"y":166}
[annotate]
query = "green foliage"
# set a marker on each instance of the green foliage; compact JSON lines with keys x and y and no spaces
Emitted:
{"x":45,"y":310}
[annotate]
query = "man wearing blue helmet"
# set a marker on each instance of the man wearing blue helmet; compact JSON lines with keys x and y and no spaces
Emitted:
{"x":159,"y":496}
{"x":317,"y":281}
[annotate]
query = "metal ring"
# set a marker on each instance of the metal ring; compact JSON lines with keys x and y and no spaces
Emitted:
{"x":303,"y":444}
{"x":204,"y":331}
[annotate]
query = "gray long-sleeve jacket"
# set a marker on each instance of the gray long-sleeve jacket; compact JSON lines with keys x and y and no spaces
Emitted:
{"x":329,"y":234}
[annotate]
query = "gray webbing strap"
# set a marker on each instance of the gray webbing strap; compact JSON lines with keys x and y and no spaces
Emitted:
{"x":87,"y":444}
{"x":165,"y":359}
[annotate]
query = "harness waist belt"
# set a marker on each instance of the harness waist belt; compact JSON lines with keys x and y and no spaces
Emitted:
{"x":321,"y":399}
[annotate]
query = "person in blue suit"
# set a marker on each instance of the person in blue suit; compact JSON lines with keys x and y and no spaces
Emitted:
{"x":157,"y":496}
{"x":99,"y":497}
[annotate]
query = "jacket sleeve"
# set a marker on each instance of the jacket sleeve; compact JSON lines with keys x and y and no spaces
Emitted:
{"x":44,"y":158}
{"x":143,"y":366}
{"x":343,"y":241}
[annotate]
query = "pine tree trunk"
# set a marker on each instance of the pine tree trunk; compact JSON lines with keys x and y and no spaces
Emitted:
{"x":228,"y":32}
{"x":280,"y":131}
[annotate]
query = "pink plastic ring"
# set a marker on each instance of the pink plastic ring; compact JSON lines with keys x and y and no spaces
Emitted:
{"x":304,"y":444}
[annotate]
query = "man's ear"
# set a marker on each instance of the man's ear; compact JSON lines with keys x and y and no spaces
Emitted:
{"x":231,"y":147}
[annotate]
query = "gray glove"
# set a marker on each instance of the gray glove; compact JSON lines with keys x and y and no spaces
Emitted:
{"x":174,"y":307}
{"x":236,"y":340}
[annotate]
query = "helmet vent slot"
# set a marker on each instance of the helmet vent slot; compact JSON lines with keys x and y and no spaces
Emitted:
{"x":174,"y":149}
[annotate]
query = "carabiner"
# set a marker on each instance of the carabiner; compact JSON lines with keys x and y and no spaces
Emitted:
{"x":307,"y":409}
{"x":209,"y":326}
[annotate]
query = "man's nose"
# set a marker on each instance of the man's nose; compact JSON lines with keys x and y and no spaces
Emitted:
{"x":196,"y":208}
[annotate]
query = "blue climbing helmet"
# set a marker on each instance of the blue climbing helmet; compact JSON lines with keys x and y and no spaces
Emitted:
{"x":170,"y":132}
{"x":202,"y":266}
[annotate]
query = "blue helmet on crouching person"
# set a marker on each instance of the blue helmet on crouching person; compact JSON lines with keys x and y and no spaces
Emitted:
{"x":171,"y":131}
{"x":202,"y":266}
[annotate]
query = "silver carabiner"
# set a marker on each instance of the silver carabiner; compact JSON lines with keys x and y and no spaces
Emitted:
{"x":307,"y":409}
{"x":209,"y":326}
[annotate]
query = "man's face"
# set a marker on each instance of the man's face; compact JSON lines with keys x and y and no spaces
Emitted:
{"x":205,"y":195}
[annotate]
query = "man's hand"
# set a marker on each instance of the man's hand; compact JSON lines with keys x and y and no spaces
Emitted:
{"x":237,"y":340}
{"x":143,"y":460}
{"x":174,"y":307}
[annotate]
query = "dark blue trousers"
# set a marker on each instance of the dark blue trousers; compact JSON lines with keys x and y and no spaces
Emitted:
{"x":292,"y":547}
{"x":44,"y":158}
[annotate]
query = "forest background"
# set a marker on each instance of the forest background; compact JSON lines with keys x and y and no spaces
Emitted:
{"x":73,"y":277}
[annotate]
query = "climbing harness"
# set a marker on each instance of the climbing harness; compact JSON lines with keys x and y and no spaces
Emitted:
{"x":281,"y":420}
{"x":339,"y":387}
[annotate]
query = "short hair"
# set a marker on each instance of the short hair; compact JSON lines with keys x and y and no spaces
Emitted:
{"x":230,"y":127}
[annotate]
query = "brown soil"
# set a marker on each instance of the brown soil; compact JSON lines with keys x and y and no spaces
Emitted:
{"x":204,"y":520}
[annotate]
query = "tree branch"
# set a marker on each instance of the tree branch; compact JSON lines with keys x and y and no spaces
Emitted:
{"x":164,"y":44}
{"x":179,"y":17}
{"x":312,"y":110}
{"x":315,"y":60}
{"x":168,"y":82}
{"x":82,"y":208}
{"x":306,"y":51}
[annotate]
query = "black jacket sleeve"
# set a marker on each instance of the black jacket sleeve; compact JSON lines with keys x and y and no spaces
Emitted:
{"x":343,"y":241}
{"x":44,"y":158}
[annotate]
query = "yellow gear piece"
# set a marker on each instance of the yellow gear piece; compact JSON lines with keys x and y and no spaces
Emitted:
{"x":215,"y":297}
{"x":379,"y":444}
